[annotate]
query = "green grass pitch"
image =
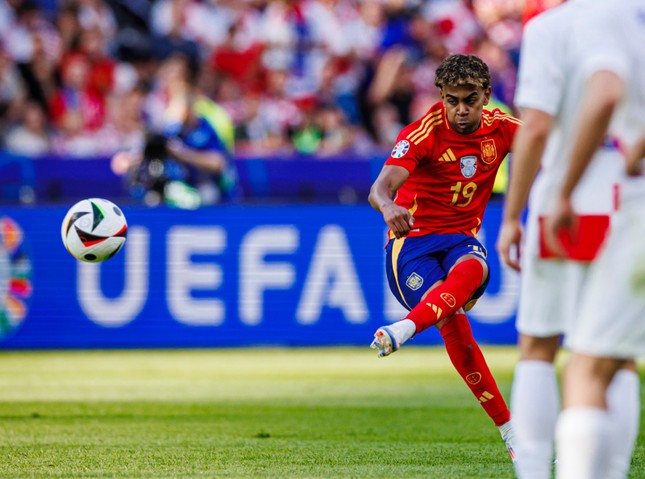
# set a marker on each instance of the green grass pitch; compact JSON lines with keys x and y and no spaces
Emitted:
{"x":249,"y":413}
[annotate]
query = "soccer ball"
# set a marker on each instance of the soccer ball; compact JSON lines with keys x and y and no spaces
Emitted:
{"x":94,"y":230}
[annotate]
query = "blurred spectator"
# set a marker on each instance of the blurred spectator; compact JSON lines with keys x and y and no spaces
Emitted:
{"x":27,"y":23}
{"x":535,"y":7}
{"x":187,"y":163}
{"x":7,"y":14}
{"x":40,"y":74}
{"x":387,"y":124}
{"x":125,"y":123}
{"x":178,"y":25}
{"x":203,"y":23}
{"x":503,"y":69}
{"x":238,"y":57}
{"x":295,"y":76}
{"x":12,"y":90}
{"x":456,"y":23}
{"x":338,"y":84}
{"x":77,"y":109}
{"x":502,"y":20}
{"x":324,"y":131}
{"x":336,"y":134}
{"x":30,"y":136}
{"x":392,"y":82}
{"x":68,"y":26}
{"x":272,"y":115}
{"x":307,"y":135}
{"x":365,"y":31}
{"x":96,"y":15}
{"x":101,"y":67}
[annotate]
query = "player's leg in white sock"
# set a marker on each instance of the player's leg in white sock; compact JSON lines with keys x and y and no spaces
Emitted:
{"x":623,"y":403}
{"x":388,"y":339}
{"x":583,"y":443}
{"x":535,"y":405}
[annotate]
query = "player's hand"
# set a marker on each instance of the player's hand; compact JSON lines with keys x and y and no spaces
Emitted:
{"x":398,"y":219}
{"x":561,"y":219}
{"x":508,"y":243}
{"x":634,"y":166}
{"x":176,"y":148}
{"x":635,"y":157}
{"x":123,"y":160}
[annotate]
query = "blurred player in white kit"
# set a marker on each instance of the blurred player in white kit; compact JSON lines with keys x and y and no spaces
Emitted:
{"x":609,"y":331}
{"x":551,"y":79}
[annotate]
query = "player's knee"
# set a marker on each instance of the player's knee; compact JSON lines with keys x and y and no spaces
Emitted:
{"x":538,"y":349}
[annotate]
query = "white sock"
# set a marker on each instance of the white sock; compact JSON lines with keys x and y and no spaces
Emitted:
{"x":623,"y":400}
{"x":583,"y":444}
{"x":508,"y":435}
{"x":505,"y":429}
{"x":403,"y":330}
{"x":535,"y":404}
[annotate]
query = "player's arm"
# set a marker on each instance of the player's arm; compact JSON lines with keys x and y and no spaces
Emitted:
{"x":528,"y":147}
{"x":634,"y":157}
{"x":209,"y":161}
{"x":122,"y":161}
{"x":603,"y":92}
{"x":389,"y":180}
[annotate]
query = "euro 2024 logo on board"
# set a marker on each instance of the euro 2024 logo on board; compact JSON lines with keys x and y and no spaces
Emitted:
{"x":15,"y":276}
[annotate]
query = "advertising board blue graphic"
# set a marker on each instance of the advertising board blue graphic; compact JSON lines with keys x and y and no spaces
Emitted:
{"x":224,"y":276}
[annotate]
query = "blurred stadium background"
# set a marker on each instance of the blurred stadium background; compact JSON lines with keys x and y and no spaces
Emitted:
{"x":316,"y":91}
{"x":139,"y":367}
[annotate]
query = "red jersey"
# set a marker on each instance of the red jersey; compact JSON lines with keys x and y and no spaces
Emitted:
{"x":451,"y":175}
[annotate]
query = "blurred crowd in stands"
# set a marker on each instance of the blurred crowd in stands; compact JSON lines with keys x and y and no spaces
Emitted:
{"x":83,"y":78}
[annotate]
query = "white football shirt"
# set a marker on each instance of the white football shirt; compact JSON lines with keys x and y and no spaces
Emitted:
{"x":551,"y":79}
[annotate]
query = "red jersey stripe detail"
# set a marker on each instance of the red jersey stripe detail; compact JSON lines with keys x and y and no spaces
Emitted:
{"x":510,"y":120}
{"x":425,"y":120}
{"x":497,"y":116}
{"x":423,"y":134}
{"x":428,"y":131}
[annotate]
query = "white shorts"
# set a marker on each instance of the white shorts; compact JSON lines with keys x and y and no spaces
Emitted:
{"x":550,"y":290}
{"x":611,"y":321}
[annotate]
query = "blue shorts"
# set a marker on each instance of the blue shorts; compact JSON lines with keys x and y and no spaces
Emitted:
{"x":414,"y":264}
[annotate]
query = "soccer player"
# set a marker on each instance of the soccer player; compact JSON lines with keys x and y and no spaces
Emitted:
{"x":551,"y":77}
{"x":441,"y":174}
{"x":609,"y":331}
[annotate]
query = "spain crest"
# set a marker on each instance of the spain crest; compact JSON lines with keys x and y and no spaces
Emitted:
{"x":489,"y":151}
{"x":414,"y":281}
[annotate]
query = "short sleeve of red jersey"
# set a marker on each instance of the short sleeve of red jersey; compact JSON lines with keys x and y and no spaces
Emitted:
{"x":508,"y":128}
{"x":406,"y":153}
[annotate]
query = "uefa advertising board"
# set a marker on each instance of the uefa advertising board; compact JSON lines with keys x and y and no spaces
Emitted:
{"x":307,"y":275}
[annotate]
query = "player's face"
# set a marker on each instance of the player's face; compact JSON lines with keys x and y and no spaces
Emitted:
{"x":464,"y":105}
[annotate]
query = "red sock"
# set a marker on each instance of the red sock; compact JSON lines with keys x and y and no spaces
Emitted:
{"x":444,"y":300}
{"x":471,"y":365}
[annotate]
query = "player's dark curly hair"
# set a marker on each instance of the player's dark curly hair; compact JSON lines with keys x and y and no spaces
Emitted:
{"x":459,"y":70}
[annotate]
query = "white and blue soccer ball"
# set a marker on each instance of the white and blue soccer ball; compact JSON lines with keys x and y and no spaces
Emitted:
{"x":94,"y":230}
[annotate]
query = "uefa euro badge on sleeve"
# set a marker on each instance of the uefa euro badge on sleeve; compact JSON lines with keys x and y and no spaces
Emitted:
{"x":400,"y":149}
